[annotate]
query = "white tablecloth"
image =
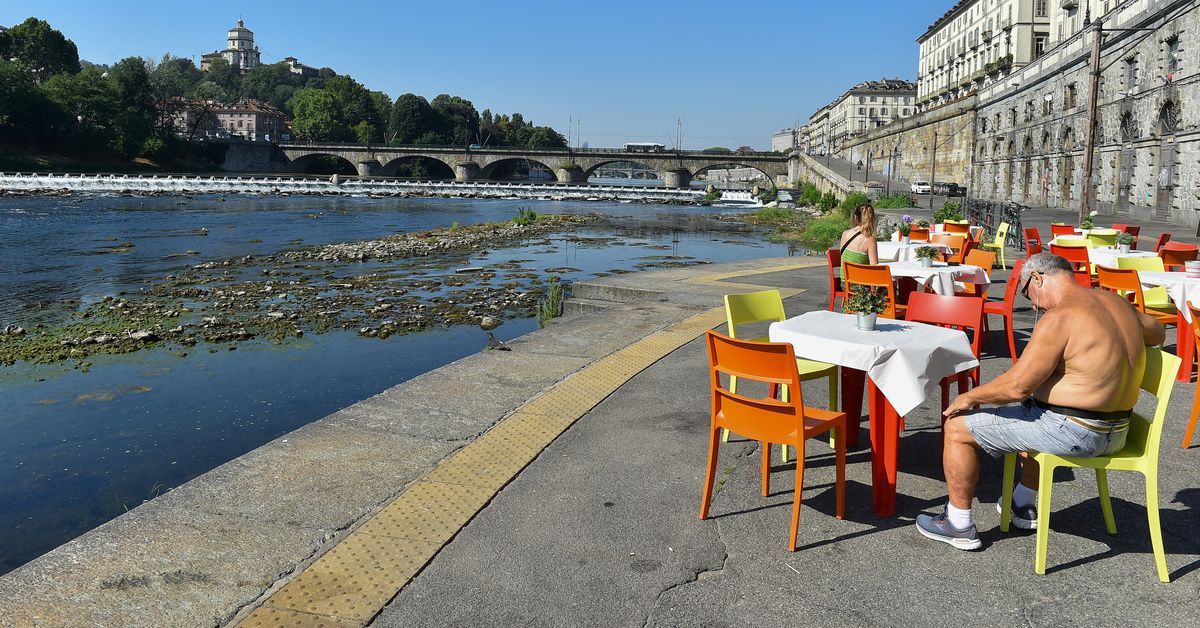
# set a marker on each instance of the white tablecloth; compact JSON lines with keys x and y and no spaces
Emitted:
{"x":905,"y":360}
{"x":940,"y":276}
{"x":1108,"y":256}
{"x":976,"y":230}
{"x":895,"y":251}
{"x":1181,"y":289}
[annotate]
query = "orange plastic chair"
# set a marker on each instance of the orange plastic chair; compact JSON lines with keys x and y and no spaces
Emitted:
{"x":1174,"y":254}
{"x":878,"y":276}
{"x":767,"y":420}
{"x":956,"y":242}
{"x":918,"y":234}
{"x":1057,"y":230}
{"x":1124,"y":281}
{"x":1191,"y":426}
{"x":957,"y":228}
{"x":961,"y":313}
{"x":1004,"y":309}
{"x":1135,"y":231}
{"x":1163,"y":238}
{"x":1119,"y":226}
{"x":836,"y":289}
{"x":983,"y":259}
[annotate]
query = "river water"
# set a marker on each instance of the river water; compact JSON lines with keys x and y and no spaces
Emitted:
{"x":80,"y":446}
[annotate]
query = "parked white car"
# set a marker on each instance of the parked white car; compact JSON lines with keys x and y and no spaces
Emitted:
{"x":921,"y":187}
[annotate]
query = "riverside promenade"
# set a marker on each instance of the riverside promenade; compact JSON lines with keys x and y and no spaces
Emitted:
{"x":559,"y":484}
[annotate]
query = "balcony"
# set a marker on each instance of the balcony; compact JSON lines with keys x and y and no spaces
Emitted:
{"x":1005,"y":23}
{"x":987,"y":34}
{"x":1069,"y":4}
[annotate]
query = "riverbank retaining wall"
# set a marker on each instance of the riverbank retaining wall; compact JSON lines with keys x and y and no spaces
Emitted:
{"x":806,"y":168}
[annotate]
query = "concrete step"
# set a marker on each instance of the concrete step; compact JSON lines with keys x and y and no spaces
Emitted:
{"x":606,"y":292}
{"x":577,"y":307}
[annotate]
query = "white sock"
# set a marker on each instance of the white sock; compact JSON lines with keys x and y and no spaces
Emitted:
{"x":959,"y":518}
{"x":1024,"y":496}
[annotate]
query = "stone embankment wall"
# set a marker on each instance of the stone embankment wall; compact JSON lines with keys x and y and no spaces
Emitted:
{"x":1147,"y":165}
{"x":909,"y":144}
{"x":806,"y":168}
{"x":243,"y":156}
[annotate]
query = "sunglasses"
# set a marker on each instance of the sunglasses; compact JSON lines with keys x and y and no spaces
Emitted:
{"x":1025,"y":290}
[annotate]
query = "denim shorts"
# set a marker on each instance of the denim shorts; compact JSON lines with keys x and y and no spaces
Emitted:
{"x":1027,"y":427}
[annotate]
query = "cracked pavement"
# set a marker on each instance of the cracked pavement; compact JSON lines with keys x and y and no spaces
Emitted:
{"x":602,"y":529}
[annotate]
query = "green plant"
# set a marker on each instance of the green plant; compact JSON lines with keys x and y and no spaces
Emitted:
{"x":769,"y":195}
{"x":825,"y":231}
{"x":949,"y":211}
{"x":525,"y":216}
{"x":866,"y":300}
{"x":924,"y":224}
{"x":927,"y":252}
{"x":1125,"y":238}
{"x":895,"y":201}
{"x":810,"y":195}
{"x":712,"y":195}
{"x":454,"y":226}
{"x":1088,"y":221}
{"x":904,"y":228}
{"x":828,"y":201}
{"x":773,"y":215}
{"x":852,"y":200}
{"x":550,"y":305}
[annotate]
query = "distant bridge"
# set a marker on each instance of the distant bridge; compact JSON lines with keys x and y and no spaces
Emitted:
{"x":675,"y":168}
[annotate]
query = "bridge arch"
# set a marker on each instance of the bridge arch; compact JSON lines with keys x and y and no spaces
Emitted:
{"x":512,"y":167}
{"x":323,"y":163}
{"x":420,"y":166}
{"x":766,"y":176}
{"x":590,"y":172}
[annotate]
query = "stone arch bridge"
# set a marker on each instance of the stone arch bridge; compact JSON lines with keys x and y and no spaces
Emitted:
{"x":675,"y":168}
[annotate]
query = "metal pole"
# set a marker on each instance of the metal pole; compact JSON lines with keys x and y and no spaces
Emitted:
{"x":867,"y":170}
{"x":932,"y":169}
{"x":891,"y":162}
{"x":1089,"y":151}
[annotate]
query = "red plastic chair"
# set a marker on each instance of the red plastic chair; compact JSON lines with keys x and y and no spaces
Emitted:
{"x":1135,"y":231}
{"x":836,"y":289}
{"x":1032,"y":247}
{"x":1119,"y":226}
{"x":1174,"y":254}
{"x":1191,"y":426}
{"x":962,"y":313}
{"x":878,"y":276}
{"x":1077,"y":255}
{"x":1032,"y":235}
{"x":1057,"y":230}
{"x":1163,"y":238}
{"x":767,"y":420}
{"x":1004,"y":309}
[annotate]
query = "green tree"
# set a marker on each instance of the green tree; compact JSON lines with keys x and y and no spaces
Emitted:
{"x":173,"y":77}
{"x":225,"y":76}
{"x":544,"y":137}
{"x":413,"y":119}
{"x":382,"y":104}
{"x":89,"y":103}
{"x":208,"y":90}
{"x":273,"y":83}
{"x":136,"y":109}
{"x":26,"y":115}
{"x":316,"y":116}
{"x":459,"y":121}
{"x":41,"y":50}
{"x":718,"y":150}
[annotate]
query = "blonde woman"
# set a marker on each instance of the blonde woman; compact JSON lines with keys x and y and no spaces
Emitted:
{"x":858,"y":242}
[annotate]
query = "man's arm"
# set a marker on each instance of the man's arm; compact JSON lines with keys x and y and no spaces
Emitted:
{"x":1042,"y":355}
{"x":1153,"y":333}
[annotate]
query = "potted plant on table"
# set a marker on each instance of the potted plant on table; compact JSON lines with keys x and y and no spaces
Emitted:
{"x":1088,"y":222}
{"x":926,"y":255}
{"x":1124,"y":240}
{"x":905,"y":228}
{"x":868,"y":302}
{"x":924,"y":224}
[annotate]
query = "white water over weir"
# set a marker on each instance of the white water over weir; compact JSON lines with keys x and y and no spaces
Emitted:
{"x":212,"y":184}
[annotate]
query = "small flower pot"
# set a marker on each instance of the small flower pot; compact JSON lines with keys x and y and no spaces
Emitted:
{"x":866,"y":322}
{"x":926,"y":262}
{"x":1123,"y":248}
{"x":905,"y":240}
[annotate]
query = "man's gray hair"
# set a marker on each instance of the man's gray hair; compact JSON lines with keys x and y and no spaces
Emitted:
{"x":1046,"y":264}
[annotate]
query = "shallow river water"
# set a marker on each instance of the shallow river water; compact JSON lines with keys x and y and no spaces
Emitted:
{"x":80,"y":446}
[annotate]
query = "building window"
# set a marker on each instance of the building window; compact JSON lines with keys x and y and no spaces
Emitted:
{"x":1039,"y":44}
{"x":1131,"y":73}
{"x":1072,"y":96}
{"x":906,"y":111}
{"x":862,"y":111}
{"x":883,"y":111}
{"x":872,"y":99}
{"x":1039,"y":8}
{"x":872,"y":112}
{"x":1174,"y":56}
{"x":862,"y":99}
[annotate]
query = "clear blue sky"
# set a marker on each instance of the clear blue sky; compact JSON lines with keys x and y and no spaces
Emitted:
{"x":733,"y":72}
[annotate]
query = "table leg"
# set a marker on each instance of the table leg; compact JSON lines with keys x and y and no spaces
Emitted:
{"x":852,"y":395}
{"x":1184,"y":347}
{"x":885,"y":450}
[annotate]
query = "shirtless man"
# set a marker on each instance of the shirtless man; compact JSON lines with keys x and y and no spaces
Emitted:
{"x":1073,"y":390}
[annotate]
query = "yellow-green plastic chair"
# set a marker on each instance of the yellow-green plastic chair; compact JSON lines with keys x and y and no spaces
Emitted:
{"x":997,"y":244}
{"x":1102,"y":237}
{"x":1156,"y":298}
{"x":1072,"y":241}
{"x":1140,"y":454}
{"x":757,"y":307}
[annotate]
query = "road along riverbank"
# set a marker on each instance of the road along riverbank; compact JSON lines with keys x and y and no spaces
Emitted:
{"x":226,"y":541}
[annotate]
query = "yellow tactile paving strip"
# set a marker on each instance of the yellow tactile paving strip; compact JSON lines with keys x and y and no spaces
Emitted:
{"x":351,"y":582}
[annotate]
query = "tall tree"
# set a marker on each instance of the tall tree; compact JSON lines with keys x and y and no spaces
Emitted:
{"x":459,"y":119}
{"x":225,"y":76}
{"x":41,"y":50}
{"x":89,"y":102}
{"x":26,"y":115}
{"x":413,"y":119}
{"x":136,"y":109}
{"x":316,"y":116}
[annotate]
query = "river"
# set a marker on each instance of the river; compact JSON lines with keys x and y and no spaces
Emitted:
{"x":81,"y":445}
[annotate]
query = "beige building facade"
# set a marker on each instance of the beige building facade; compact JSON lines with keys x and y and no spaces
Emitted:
{"x":240,"y":50}
{"x":864,"y":107}
{"x":978,"y":43}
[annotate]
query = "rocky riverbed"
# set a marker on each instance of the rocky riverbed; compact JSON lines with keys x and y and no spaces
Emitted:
{"x":377,"y":288}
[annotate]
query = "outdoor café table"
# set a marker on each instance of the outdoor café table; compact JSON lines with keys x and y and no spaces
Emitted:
{"x":941,"y":276}
{"x":940,"y":227}
{"x":899,"y":252}
{"x":902,"y":363}
{"x":1182,"y":290}
{"x":1108,"y":256}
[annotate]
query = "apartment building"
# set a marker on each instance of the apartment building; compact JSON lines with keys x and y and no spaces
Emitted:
{"x":868,"y":105}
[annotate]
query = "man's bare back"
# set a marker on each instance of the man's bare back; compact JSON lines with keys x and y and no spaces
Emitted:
{"x":1102,"y":352}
